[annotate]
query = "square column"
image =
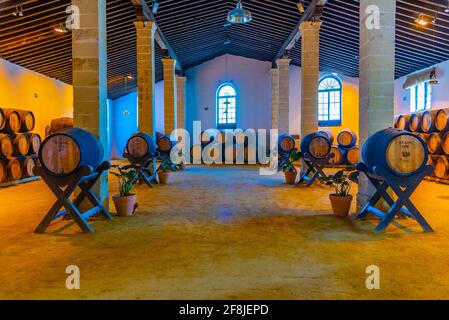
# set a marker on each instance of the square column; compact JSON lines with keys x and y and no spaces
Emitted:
{"x":377,"y":66}
{"x":145,"y":31}
{"x":170,"y":104}
{"x":274,"y":98}
{"x":310,"y":73}
{"x":181,"y":102}
{"x":284,"y":95}
{"x":89,"y":56}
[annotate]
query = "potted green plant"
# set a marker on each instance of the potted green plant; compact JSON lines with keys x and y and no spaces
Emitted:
{"x":342,"y":181}
{"x":289,"y":168}
{"x":164,"y":171}
{"x":125,"y":202}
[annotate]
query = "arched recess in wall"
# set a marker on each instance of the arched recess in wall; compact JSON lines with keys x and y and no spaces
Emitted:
{"x":226,"y":106}
{"x":330,"y":101}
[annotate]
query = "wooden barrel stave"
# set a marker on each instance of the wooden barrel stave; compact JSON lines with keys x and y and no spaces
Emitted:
{"x":442,"y":120}
{"x":441,"y":165}
{"x":63,"y":153}
{"x":12,"y":168}
{"x":328,"y":134}
{"x":428,"y":121}
{"x":403,"y":122}
{"x":2,"y":119}
{"x":6,"y":146}
{"x":352,"y":155}
{"x":21,"y":144}
{"x":400,"y":152}
{"x":28,"y":164}
{"x":415,"y":122}
{"x":347,"y":138}
{"x":12,"y":121}
{"x":435,"y":143}
{"x":339,"y":155}
{"x":34,"y":141}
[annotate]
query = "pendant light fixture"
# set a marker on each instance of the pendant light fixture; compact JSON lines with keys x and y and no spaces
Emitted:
{"x":239,"y":15}
{"x":433,"y":77}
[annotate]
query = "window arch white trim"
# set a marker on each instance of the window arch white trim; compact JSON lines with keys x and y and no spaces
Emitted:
{"x":329,"y":101}
{"x":226,"y":106}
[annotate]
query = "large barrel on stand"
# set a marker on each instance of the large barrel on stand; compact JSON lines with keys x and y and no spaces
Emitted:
{"x":140,"y":147}
{"x":6,"y":146}
{"x":428,"y":121}
{"x":347,"y":138}
{"x":286,"y":145}
{"x":60,"y":124}
{"x":328,"y":134}
{"x":400,"y":152}
{"x":63,"y":153}
{"x":442,"y":120}
{"x":164,"y":143}
{"x":316,"y":145}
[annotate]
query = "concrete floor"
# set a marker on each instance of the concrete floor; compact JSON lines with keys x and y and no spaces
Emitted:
{"x":222,"y":233}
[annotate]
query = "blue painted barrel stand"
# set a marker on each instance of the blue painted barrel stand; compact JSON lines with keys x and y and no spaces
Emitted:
{"x":144,"y":168}
{"x":84,"y":179}
{"x":315,"y":169}
{"x":403,"y":187}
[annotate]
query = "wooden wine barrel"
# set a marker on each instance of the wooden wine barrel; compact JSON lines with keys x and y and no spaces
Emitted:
{"x":21,"y":144}
{"x":347,"y":138}
{"x":2,"y":119}
{"x":435,"y":143}
{"x":339,"y":155}
{"x":316,"y":145}
{"x":442,"y":120}
{"x":13,"y":168}
{"x":140,"y":147}
{"x":446,"y":143}
{"x":59,"y":124}
{"x":286,"y":144}
{"x":6,"y":146}
{"x":34,"y":141}
{"x":27,"y":120}
{"x":403,"y":122}
{"x":428,"y":121}
{"x":400,"y":152}
{"x":62,"y":153}
{"x":328,"y":134}
{"x":28,"y":164}
{"x":12,"y":123}
{"x":352,"y":155}
{"x":3,"y":176}
{"x":441,"y":165}
{"x":415,"y":122}
{"x":164,"y":143}
{"x":395,"y":121}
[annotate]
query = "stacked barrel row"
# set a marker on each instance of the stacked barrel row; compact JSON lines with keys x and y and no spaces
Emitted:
{"x":19,"y":146}
{"x":433,"y":127}
{"x":346,"y":150}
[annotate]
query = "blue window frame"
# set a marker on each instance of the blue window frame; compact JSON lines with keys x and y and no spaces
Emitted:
{"x":329,"y":101}
{"x":421,"y":97}
{"x":226,"y":106}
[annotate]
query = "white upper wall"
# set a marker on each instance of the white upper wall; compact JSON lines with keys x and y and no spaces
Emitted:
{"x":440,"y":92}
{"x":252,"y":79}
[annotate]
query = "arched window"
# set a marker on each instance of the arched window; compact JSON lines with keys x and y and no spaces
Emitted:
{"x":329,"y":101}
{"x":226,"y":107}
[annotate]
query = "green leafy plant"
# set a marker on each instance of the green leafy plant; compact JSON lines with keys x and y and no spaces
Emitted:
{"x":289,"y":165}
{"x":342,"y":181}
{"x":168,"y":166}
{"x":126,"y":179}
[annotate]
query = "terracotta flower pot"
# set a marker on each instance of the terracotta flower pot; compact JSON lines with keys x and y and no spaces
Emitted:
{"x":341,"y":205}
{"x":290,"y":177}
{"x":163,"y":177}
{"x":125,"y":206}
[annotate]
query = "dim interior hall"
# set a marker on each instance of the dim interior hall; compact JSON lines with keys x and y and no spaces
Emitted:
{"x":224,"y":149}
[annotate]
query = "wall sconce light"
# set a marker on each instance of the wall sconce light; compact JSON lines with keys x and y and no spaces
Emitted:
{"x":301,"y":7}
{"x":423,"y":21}
{"x":61,"y":28}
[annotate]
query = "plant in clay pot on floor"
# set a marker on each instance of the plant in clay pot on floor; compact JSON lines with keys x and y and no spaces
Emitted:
{"x":289,"y":168}
{"x":164,"y":170}
{"x":342,"y":181}
{"x":125,"y":202}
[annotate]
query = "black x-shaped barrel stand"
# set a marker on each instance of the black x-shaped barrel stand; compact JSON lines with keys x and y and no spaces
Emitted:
{"x":64,"y":186}
{"x":403,"y":187}
{"x":314,"y":169}
{"x":144,"y":168}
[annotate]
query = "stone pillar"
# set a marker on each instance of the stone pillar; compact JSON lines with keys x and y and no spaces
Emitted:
{"x":170,"y":104}
{"x":145,"y":31}
{"x":310,"y":73}
{"x":181,"y":102}
{"x":274,"y":98}
{"x":377,"y":65}
{"x":284,"y":95}
{"x":89,"y":56}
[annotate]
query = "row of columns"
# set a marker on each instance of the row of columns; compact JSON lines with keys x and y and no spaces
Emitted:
{"x":377,"y":66}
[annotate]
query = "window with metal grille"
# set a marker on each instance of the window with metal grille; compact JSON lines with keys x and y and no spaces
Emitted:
{"x":421,"y":97}
{"x":329,"y":101}
{"x":226,"y":106}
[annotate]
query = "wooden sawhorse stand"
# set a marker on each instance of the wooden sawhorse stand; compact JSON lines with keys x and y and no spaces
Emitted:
{"x":144,"y":169}
{"x":403,"y":187}
{"x":315,"y":168}
{"x":84,"y":178}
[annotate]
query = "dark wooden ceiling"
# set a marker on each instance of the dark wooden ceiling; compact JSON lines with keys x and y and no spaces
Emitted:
{"x":197,"y":32}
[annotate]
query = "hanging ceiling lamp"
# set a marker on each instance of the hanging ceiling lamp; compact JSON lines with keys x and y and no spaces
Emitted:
{"x":239,"y":15}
